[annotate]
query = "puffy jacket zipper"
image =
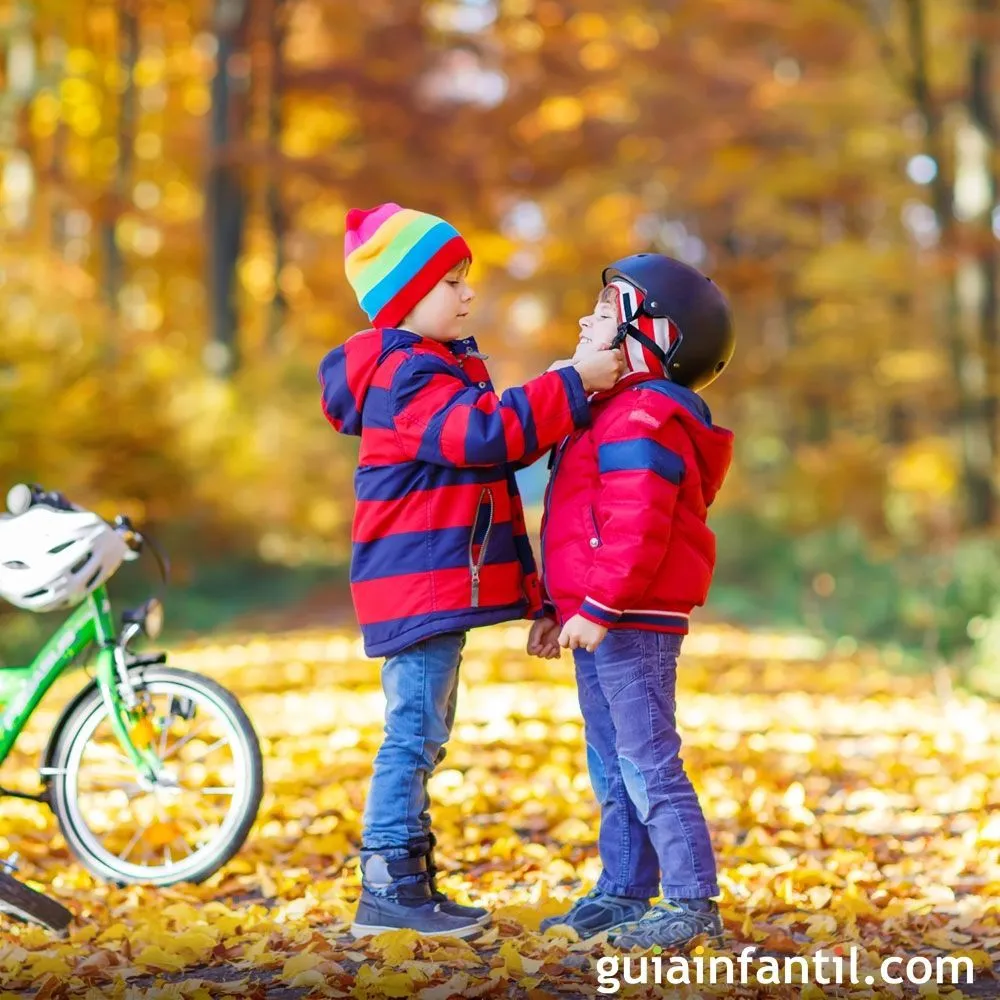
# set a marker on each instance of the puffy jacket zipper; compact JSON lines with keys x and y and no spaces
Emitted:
{"x":597,"y":531}
{"x":475,"y":567}
{"x":557,"y":454}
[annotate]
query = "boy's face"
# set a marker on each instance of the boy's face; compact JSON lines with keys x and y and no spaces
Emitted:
{"x":598,"y":330}
{"x":439,"y":315}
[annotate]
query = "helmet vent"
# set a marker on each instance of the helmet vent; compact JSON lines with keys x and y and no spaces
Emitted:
{"x":60,"y":547}
{"x":36,"y":593}
{"x":93,"y":577}
{"x":15,"y":564}
{"x":80,"y":563}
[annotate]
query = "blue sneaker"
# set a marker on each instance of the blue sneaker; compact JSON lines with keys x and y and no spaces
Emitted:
{"x":597,"y":912}
{"x":671,"y":923}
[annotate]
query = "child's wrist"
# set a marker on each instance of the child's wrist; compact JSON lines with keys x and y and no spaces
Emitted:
{"x":583,"y":378}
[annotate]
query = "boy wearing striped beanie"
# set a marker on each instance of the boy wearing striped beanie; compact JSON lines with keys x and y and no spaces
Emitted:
{"x":439,"y":539}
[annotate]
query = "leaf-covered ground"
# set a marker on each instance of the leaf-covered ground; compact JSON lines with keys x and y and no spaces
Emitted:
{"x":848,"y":806}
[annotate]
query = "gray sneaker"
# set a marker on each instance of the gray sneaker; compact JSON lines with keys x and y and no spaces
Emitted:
{"x":597,"y":912}
{"x":671,"y":923}
{"x":476,"y":913}
{"x":376,"y":914}
{"x":397,"y":894}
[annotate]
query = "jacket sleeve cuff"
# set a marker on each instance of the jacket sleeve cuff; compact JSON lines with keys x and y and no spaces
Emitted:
{"x":599,"y":614}
{"x":578,"y":404}
{"x":548,"y":610}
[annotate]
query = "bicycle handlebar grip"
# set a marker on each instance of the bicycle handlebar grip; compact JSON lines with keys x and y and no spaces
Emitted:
{"x":19,"y":498}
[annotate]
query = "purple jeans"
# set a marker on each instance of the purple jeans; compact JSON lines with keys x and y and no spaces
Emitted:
{"x":653,"y":832}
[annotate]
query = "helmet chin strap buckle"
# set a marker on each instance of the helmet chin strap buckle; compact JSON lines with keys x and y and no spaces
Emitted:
{"x":629,"y":329}
{"x":627,"y":325}
{"x":623,"y":331}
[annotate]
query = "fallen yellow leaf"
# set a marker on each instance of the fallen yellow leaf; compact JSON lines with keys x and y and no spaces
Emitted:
{"x":154,"y":957}
{"x":297,"y":964}
{"x":396,"y":946}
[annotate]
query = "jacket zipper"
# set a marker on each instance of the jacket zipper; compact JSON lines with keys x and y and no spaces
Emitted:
{"x":554,"y":468}
{"x":597,"y":530}
{"x":475,"y":566}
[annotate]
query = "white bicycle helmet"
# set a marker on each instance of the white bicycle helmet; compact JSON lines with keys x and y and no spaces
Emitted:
{"x":52,"y":559}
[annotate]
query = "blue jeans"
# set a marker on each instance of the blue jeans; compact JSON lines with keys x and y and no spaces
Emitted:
{"x":652,"y":826}
{"x":421,"y":691}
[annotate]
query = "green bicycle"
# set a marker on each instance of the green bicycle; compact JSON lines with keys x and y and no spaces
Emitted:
{"x":153,"y":773}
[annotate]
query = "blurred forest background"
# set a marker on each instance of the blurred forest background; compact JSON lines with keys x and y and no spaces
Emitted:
{"x":174,"y":176}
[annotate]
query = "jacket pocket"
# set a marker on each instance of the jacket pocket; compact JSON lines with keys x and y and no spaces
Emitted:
{"x":595,"y":539}
{"x":476,"y":564}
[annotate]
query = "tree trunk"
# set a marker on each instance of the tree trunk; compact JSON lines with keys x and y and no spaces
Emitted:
{"x":20,"y":81}
{"x":976,"y":450}
{"x":128,"y":48}
{"x":275,"y":210}
{"x":982,"y":115}
{"x":226,"y":199}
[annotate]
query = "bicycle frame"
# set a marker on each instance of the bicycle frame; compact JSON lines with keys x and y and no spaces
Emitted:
{"x":22,"y":688}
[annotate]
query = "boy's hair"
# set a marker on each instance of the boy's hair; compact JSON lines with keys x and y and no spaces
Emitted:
{"x":395,"y":256}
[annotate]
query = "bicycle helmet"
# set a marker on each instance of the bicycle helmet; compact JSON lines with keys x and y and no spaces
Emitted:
{"x":671,"y":318}
{"x":52,"y":559}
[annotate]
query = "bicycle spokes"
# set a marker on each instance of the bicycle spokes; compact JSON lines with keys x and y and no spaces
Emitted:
{"x":156,"y":822}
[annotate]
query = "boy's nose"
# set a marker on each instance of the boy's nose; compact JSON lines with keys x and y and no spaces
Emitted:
{"x":469,"y":294}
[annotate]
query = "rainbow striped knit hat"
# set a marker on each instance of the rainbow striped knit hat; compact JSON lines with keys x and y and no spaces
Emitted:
{"x":395,"y":256}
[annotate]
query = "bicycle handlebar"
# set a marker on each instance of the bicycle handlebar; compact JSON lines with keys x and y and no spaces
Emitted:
{"x":22,"y":496}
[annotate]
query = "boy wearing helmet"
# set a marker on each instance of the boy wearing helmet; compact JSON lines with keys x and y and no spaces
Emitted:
{"x":626,"y":556}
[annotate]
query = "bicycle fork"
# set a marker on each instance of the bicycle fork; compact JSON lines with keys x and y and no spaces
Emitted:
{"x":121,"y":702}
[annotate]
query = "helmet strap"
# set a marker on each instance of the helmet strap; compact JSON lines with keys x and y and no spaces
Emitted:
{"x":629,"y":329}
{"x":636,"y":334}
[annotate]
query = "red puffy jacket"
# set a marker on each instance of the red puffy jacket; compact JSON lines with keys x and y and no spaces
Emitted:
{"x":624,"y":538}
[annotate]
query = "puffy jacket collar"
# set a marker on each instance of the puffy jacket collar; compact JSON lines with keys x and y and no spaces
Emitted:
{"x":346,"y":373}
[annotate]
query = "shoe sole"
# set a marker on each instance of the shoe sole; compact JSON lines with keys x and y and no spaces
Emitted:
{"x":482,"y":921}
{"x":366,"y":930}
{"x":712,"y":941}
{"x":581,"y":934}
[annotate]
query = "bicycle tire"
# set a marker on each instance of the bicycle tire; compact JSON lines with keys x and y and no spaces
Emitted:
{"x":77,"y":841}
{"x":21,"y":901}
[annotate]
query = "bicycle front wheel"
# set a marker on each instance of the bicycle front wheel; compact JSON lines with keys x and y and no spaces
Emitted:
{"x":186,"y":824}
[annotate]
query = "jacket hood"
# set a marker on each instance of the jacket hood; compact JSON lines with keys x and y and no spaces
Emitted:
{"x":346,"y":374}
{"x":714,"y":443}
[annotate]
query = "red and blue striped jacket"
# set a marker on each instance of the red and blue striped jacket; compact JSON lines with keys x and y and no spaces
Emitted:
{"x":624,"y":536}
{"x":439,"y":540}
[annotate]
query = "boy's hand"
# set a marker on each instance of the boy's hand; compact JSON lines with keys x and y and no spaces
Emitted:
{"x":582,"y":633}
{"x":600,"y":370}
{"x":543,"y":639}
